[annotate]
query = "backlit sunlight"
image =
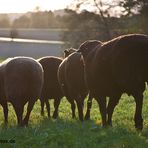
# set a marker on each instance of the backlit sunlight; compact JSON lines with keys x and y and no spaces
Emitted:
{"x":20,"y":6}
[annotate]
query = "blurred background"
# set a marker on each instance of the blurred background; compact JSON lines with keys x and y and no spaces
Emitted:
{"x":39,"y":28}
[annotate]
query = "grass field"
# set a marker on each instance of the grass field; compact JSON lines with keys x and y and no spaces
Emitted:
{"x":66,"y":132}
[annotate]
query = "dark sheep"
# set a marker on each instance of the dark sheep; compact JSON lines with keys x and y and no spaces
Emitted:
{"x":118,"y":66}
{"x":51,"y":88}
{"x":69,"y":51}
{"x":5,"y":110}
{"x":62,"y":78}
{"x":21,"y":82}
{"x":73,"y":85}
{"x":86,"y":48}
{"x":72,"y":80}
{"x":3,"y":101}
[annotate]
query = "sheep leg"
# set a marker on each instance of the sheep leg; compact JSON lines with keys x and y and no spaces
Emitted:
{"x":89,"y":105}
{"x":80,"y":109}
{"x":56,"y":106}
{"x":5,"y":111}
{"x":19,"y":113}
{"x":102,"y":106}
{"x":138,"y":111}
{"x":73,"y":107}
{"x":29,"y":109}
{"x":47,"y":107}
{"x":113,"y":101}
{"x":42,"y":106}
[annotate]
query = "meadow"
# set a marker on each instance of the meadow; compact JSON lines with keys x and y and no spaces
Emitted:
{"x":66,"y":132}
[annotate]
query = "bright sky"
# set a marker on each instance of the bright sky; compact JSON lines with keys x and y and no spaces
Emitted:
{"x":22,"y":6}
{"x":12,"y":6}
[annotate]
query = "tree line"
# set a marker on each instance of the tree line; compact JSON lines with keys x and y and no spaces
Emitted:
{"x":107,"y":20}
{"x":39,"y":19}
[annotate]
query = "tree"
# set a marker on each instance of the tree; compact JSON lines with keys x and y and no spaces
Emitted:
{"x":21,"y":22}
{"x":140,"y":7}
{"x":130,"y":6}
{"x":144,"y":15}
{"x":4,"y":21}
{"x":99,"y":7}
{"x":43,"y":19}
{"x":84,"y":25}
{"x":80,"y":27}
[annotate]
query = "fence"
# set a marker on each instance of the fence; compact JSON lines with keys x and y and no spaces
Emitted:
{"x":31,"y":42}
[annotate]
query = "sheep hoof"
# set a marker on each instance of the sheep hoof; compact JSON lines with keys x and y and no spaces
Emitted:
{"x":81,"y":119}
{"x":139,"y":124}
{"x":105,"y":125}
{"x":49,"y":117}
{"x":55,"y":116}
{"x":109,"y":124}
{"x":21,"y":125}
{"x":139,"y":128}
{"x":73,"y":116}
{"x":24,"y":123}
{"x":87,"y":117}
{"x":42,"y":113}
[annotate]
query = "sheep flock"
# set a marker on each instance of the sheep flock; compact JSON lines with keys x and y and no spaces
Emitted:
{"x":97,"y":69}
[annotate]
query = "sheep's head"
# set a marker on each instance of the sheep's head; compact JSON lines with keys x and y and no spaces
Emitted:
{"x":88,"y":46}
{"x":69,"y":51}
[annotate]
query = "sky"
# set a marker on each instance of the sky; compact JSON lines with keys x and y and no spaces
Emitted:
{"x":22,"y":6}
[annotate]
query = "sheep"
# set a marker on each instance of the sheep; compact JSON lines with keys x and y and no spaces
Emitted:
{"x":70,"y":69}
{"x":62,"y":80}
{"x":51,"y":88}
{"x":21,"y":82}
{"x":118,"y":66}
{"x":5,"y":111}
{"x":3,"y":101}
{"x":72,"y":80}
{"x":87,"y":47}
{"x":68,"y":51}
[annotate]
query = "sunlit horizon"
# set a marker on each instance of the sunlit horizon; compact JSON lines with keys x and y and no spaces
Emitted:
{"x":23,"y":6}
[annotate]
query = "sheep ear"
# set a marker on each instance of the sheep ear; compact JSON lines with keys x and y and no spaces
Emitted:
{"x":71,"y":48}
{"x":66,"y":51}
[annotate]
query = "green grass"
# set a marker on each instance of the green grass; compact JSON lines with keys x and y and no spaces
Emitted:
{"x":66,"y":132}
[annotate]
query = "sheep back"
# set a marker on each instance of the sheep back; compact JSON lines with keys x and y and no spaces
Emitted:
{"x":51,"y":87}
{"x":74,"y":73}
{"x":23,"y":79}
